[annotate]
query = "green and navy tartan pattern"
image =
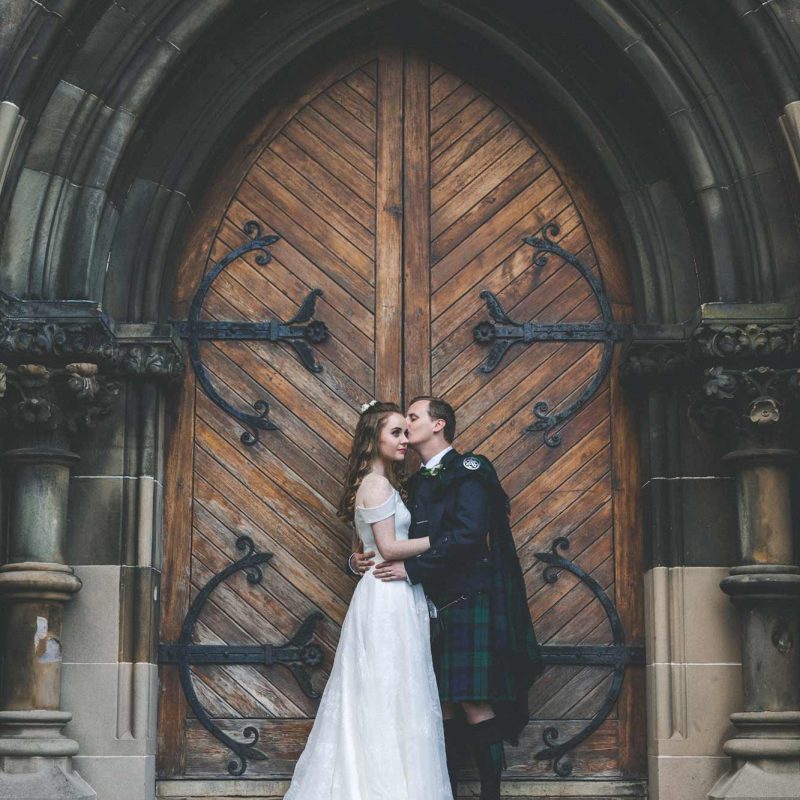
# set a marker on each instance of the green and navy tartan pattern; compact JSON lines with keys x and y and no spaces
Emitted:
{"x":466,"y":667}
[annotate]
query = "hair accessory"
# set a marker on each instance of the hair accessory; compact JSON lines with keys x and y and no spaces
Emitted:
{"x":368,"y":406}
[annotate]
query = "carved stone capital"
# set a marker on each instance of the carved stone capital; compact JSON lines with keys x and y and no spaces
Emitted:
{"x":646,"y":363}
{"x":738,"y":363}
{"x":56,"y":334}
{"x":749,"y":401}
{"x":751,"y":340}
{"x":49,"y":398}
{"x":62,"y":364}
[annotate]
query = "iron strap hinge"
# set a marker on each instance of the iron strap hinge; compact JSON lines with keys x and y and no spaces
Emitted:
{"x":265,"y":654}
{"x":557,"y":332}
{"x":583,"y":655}
{"x":270,"y":331}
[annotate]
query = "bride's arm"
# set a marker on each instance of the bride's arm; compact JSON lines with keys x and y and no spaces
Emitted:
{"x":375,"y":492}
{"x":393,"y":550}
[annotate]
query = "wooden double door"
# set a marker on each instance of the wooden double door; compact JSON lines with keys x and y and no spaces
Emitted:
{"x":401,"y":190}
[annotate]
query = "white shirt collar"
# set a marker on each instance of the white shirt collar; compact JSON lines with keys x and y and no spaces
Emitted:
{"x":437,"y":458}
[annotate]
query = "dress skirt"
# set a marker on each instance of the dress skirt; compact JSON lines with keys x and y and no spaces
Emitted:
{"x":378,"y":730}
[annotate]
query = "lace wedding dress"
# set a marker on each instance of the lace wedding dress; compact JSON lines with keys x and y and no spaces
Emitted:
{"x":378,"y":731}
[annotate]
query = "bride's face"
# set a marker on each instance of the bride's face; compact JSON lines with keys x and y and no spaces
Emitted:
{"x":392,"y":442}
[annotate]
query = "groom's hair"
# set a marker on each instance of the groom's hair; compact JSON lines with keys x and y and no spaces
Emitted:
{"x":439,"y":409}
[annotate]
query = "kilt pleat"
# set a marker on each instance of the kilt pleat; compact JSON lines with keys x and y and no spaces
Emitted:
{"x":466,"y":668}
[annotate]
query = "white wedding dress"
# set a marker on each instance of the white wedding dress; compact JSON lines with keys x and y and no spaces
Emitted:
{"x":378,"y":731}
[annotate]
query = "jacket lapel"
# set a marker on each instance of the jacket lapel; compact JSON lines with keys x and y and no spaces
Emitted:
{"x":439,"y":501}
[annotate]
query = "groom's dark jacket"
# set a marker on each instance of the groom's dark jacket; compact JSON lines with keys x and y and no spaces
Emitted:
{"x":464,"y":510}
{"x":453,"y":509}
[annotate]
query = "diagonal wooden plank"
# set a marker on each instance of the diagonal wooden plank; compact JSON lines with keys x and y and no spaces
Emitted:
{"x":316,"y":200}
{"x":460,"y":124}
{"x":325,"y":234}
{"x":484,"y":261}
{"x":353,"y":153}
{"x":298,"y":484}
{"x":325,"y":180}
{"x":345,"y":122}
{"x":237,"y":506}
{"x":442,"y":85}
{"x":465,"y":145}
{"x":296,"y":546}
{"x":354,"y":103}
{"x":362,"y":83}
{"x":541,"y":200}
{"x":492,"y":190}
{"x":292,"y":515}
{"x":450,"y":106}
{"x":330,"y":158}
{"x":305,"y":243}
{"x":476,"y":164}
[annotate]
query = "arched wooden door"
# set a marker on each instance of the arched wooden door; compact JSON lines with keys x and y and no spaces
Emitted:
{"x":401,"y":191}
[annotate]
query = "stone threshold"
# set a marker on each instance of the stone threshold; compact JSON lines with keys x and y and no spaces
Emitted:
{"x":519,"y":790}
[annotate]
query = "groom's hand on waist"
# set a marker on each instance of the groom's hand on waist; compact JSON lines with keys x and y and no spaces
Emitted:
{"x":390,"y":571}
{"x":359,"y":563}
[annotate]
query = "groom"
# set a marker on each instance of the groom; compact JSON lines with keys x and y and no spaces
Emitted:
{"x":487,"y":656}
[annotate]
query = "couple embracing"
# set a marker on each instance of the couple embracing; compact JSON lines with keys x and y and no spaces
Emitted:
{"x":399,"y":708}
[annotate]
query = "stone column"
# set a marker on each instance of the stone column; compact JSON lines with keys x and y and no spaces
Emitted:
{"x":42,"y":406}
{"x":756,"y":407}
{"x":34,"y":585}
{"x":61,"y":368}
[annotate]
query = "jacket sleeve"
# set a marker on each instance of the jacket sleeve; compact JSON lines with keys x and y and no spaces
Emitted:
{"x":461,"y":534}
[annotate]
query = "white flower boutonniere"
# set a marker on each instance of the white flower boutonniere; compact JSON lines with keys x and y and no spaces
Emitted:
{"x":433,"y":472}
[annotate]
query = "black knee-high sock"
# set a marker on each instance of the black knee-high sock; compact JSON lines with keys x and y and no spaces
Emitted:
{"x":453,"y":742}
{"x":487,"y":745}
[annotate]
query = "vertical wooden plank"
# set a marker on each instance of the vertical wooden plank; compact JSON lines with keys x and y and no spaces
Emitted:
{"x":416,"y":232}
{"x":176,"y":572}
{"x":389,"y":228}
{"x":629,"y":569}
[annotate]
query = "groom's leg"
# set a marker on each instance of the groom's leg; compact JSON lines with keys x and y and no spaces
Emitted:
{"x":453,"y":742}
{"x":486,"y":739}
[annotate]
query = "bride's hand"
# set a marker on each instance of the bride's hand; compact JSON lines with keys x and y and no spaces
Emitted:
{"x":390,"y":571}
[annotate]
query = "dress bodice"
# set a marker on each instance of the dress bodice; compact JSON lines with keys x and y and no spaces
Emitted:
{"x":364,"y":517}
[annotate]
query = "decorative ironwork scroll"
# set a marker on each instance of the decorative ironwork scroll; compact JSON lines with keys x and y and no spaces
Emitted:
{"x":300,"y":336}
{"x":296,"y":655}
{"x":503,"y":332}
{"x":616,"y":655}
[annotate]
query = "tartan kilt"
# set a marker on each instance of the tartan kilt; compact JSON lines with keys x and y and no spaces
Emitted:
{"x":466,"y":668}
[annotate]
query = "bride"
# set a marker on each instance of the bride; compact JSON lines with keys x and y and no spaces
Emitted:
{"x":378,"y":731}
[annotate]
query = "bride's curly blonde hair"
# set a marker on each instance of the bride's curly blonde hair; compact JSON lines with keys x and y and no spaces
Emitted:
{"x":362,"y":454}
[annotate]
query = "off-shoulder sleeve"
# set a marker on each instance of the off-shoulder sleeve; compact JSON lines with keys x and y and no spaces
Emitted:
{"x":377,"y":513}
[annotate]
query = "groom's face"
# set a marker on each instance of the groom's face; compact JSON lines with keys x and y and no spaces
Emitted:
{"x":420,"y":428}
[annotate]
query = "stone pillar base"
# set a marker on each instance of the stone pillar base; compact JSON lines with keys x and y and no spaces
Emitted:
{"x":56,"y":780}
{"x":757,"y":780}
{"x":35,"y":758}
{"x":766,"y":757}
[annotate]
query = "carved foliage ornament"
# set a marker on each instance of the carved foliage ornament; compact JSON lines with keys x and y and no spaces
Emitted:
{"x":73,"y":397}
{"x":747,"y":399}
{"x":53,"y":343}
{"x":748,"y":340}
{"x":62,"y":362}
